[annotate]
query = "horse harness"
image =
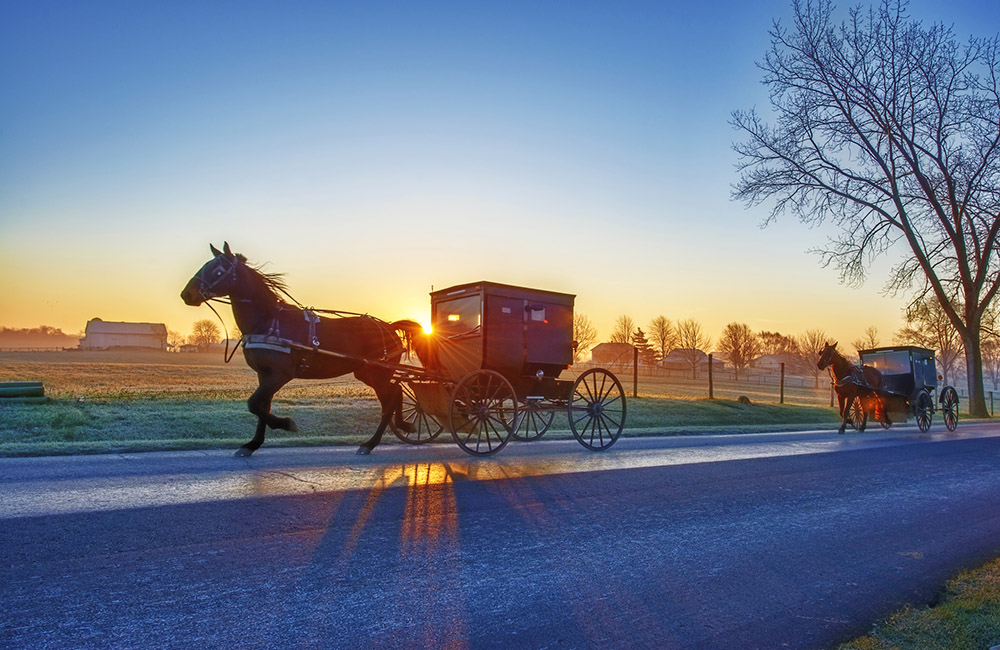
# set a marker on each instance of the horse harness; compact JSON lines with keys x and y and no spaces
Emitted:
{"x":856,"y":377}
{"x":274,"y":342}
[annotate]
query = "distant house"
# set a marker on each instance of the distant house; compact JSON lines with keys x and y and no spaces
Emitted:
{"x":101,"y":335}
{"x":610,"y":353}
{"x":773,"y":362}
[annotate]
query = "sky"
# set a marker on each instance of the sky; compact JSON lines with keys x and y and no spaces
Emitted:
{"x":374,"y":150}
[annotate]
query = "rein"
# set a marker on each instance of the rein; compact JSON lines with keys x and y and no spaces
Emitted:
{"x":226,"y":356}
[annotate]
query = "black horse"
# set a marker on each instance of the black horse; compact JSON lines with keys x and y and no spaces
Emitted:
{"x":283,"y":341}
{"x":853,"y":381}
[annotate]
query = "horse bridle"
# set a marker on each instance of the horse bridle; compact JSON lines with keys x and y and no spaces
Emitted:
{"x":205,"y":287}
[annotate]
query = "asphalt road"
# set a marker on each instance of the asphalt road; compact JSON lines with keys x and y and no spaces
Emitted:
{"x":756,"y":541}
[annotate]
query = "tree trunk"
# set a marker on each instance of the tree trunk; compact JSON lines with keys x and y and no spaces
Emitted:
{"x":974,"y":372}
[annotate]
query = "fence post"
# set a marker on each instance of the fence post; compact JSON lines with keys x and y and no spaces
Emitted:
{"x":711,"y":388}
{"x":781,"y":389}
{"x":991,"y":403}
{"x":635,"y":371}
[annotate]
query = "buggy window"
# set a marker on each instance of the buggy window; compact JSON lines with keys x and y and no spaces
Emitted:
{"x":457,"y":316}
{"x":890,"y":363}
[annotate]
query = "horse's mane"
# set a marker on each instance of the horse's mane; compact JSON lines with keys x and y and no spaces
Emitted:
{"x":274,"y":283}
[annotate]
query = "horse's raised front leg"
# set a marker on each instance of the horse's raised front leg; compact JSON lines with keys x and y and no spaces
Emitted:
{"x":260,"y":405}
{"x":390,"y":396}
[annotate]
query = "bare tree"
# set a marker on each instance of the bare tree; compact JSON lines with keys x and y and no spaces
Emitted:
{"x":174,"y":339}
{"x":887,"y":128}
{"x":204,"y":332}
{"x":624,"y":328}
{"x":777,"y":343}
{"x":807,"y":353}
{"x":928,"y":326}
{"x":585,"y":335}
{"x":691,"y":340}
{"x":739,"y":346}
{"x":868,"y":341}
{"x":662,"y":335}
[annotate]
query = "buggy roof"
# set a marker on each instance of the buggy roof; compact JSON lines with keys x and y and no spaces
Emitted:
{"x":505,"y":290}
{"x":898,"y":348}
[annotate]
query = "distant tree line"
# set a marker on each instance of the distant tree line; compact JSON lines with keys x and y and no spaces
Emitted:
{"x":36,"y":337}
{"x":203,"y":332}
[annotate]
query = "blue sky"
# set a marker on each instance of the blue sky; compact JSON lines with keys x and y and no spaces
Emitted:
{"x":371,"y":150}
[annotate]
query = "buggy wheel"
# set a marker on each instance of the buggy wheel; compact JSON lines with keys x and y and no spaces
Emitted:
{"x":856,"y":412}
{"x":533,"y":421}
{"x":923,"y":409}
{"x":426,"y":425}
{"x":483,"y":412}
{"x":597,"y":409}
{"x":949,"y":407}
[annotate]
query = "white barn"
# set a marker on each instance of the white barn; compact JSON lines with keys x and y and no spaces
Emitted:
{"x":101,"y":335}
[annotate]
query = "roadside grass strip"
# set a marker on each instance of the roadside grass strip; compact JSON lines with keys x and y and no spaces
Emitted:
{"x":966,"y":617}
{"x":158,"y":423}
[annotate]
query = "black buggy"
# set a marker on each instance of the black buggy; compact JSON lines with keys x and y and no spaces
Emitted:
{"x":491,"y":367}
{"x":909,"y":388}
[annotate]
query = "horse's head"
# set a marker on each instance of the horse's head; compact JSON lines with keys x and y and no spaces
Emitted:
{"x":827,"y":355}
{"x":216,"y":278}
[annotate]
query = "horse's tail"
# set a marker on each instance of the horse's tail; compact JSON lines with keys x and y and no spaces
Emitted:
{"x":413,"y":336}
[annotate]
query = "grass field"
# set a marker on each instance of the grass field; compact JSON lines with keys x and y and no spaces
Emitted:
{"x":133,"y":401}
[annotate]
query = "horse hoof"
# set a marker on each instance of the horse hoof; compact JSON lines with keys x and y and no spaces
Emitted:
{"x":292,"y":426}
{"x":243,"y":452}
{"x":363,"y":451}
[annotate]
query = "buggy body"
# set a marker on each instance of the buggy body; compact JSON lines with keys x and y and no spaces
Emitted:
{"x":909,"y":387}
{"x":491,"y":371}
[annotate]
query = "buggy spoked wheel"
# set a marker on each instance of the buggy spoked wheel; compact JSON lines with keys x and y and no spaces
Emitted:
{"x":597,"y":409}
{"x":483,"y":412}
{"x":923,"y":408}
{"x":856,"y":413}
{"x":532,"y":421}
{"x":426,"y":425}
{"x":949,"y":408}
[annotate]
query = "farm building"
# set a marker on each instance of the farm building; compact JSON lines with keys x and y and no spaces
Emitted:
{"x":773,"y":362}
{"x":101,"y":335}
{"x":611,"y":353}
{"x":680,"y":359}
